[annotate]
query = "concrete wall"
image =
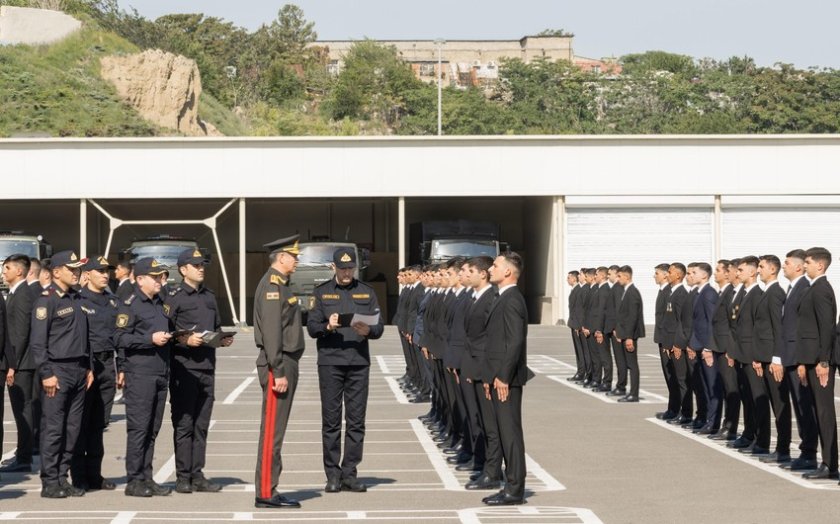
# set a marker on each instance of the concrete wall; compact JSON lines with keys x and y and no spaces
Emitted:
{"x":22,"y":25}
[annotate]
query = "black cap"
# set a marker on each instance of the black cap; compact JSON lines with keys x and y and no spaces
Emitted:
{"x":344,"y":258}
{"x":191,"y":256}
{"x":96,"y":262}
{"x":289,"y":245}
{"x":149,"y":266}
{"x":65,"y":258}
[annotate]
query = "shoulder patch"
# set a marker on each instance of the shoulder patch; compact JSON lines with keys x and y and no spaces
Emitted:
{"x":88,"y":310}
{"x":130,"y":299}
{"x":41,"y":313}
{"x":330,"y":297}
{"x":175,"y":291}
{"x":277,"y":279}
{"x":272,"y":296}
{"x":122,"y":320}
{"x":293,"y":301}
{"x":113,"y":302}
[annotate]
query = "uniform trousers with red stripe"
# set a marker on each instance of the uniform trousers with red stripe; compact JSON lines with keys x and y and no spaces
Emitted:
{"x":275,"y":417}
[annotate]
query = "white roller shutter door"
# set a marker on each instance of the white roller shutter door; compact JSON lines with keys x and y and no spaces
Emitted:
{"x":640,"y":238}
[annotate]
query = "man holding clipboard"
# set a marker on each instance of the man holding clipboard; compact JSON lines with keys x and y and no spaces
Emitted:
{"x":345,"y":316}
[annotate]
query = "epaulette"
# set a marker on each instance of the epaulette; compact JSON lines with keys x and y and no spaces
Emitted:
{"x":175,"y":291}
{"x":277,"y":279}
{"x":130,"y":299}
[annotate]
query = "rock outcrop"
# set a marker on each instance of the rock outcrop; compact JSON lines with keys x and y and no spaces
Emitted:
{"x":24,"y":25}
{"x":163,"y":87}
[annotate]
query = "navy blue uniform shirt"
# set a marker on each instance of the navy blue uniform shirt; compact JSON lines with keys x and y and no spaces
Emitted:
{"x":138,"y":318}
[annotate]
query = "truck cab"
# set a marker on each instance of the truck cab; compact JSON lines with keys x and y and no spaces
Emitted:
{"x":14,"y":242}
{"x":436,"y":241}
{"x":163,"y":248}
{"x":315,"y":267}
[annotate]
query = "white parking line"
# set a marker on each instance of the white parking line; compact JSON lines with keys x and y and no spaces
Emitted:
{"x":397,"y":390}
{"x":449,"y":480}
{"x":645,"y":397}
{"x":231,"y":398}
{"x":168,"y":467}
{"x":124,"y":517}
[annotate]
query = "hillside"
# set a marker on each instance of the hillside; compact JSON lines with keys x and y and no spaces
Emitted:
{"x":57,"y":91}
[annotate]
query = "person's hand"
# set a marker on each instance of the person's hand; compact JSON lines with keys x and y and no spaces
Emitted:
{"x":10,"y":377}
{"x":332,"y":322}
{"x":227,"y":341}
{"x":88,"y":380}
{"x":708,"y":358}
{"x":599,"y":337}
{"x":487,"y":391}
{"x":758,"y":368}
{"x":457,"y":378}
{"x":425,"y":353}
{"x":361,"y":329}
{"x":777,"y":370}
{"x":677,"y":352}
{"x":803,"y":378}
{"x":586,"y":332}
{"x":281,"y":385}
{"x":730,"y":361}
{"x":822,"y":375}
{"x":161,"y":338}
{"x":120,"y":380}
{"x":194,"y":340}
{"x":51,"y":386}
{"x":410,"y":339}
{"x":691,"y":353}
{"x":628,"y":343}
{"x":502,"y":390}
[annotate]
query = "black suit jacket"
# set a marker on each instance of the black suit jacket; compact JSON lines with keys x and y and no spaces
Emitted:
{"x":18,"y":318}
{"x":597,"y":308}
{"x":786,"y":349}
{"x":686,"y":319}
{"x":703,"y":314}
{"x":574,"y":310}
{"x":6,"y":355}
{"x":456,"y":343}
{"x":473,"y":365}
{"x":722,"y":341}
{"x":815,"y":329}
{"x":613,"y":303}
{"x":745,"y":326}
{"x":672,"y":318}
{"x":630,"y":320}
{"x":768,"y":323}
{"x":413,"y":307}
{"x":402,"y":306}
{"x":659,"y":313}
{"x":507,"y":333}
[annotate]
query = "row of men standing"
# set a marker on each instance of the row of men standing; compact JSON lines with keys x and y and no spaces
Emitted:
{"x":742,"y":348}
{"x":463,"y":327}
{"x":606,"y":321}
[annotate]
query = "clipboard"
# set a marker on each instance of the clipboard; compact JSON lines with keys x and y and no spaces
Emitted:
{"x":348,"y":319}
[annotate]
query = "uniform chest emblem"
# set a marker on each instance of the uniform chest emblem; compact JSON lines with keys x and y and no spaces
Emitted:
{"x":88,"y":311}
{"x":330,"y":297}
{"x":360,"y":296}
{"x":41,"y":313}
{"x":122,"y":321}
{"x":64,"y":312}
{"x":272,"y":296}
{"x":166,"y":309}
{"x":293,"y":301}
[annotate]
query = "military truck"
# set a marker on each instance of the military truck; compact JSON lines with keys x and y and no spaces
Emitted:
{"x":314,"y":268}
{"x":165,"y":249}
{"x":436,"y":241}
{"x":18,"y":242}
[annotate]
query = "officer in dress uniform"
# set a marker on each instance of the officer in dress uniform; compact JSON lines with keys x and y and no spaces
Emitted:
{"x":278,"y":333}
{"x":59,"y":343}
{"x":343,"y":367}
{"x":142,"y":339}
{"x":192,"y":307}
{"x":100,"y":308}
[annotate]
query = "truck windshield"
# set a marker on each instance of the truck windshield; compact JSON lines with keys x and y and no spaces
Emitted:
{"x":312,"y":256}
{"x":448,"y":248}
{"x":165,"y":254}
{"x":11,"y":246}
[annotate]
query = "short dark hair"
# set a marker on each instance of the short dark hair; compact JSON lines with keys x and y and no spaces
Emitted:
{"x":515,"y":259}
{"x":626,"y":269}
{"x":46,"y":264}
{"x":602,"y":269}
{"x":797,"y":253}
{"x":481,"y":263}
{"x":704,"y":267}
{"x":21,"y":260}
{"x":725,"y":263}
{"x":693,"y":264}
{"x":735,"y":262}
{"x":662,"y":267}
{"x":773,"y":260}
{"x":589,"y":271}
{"x":819,"y":254}
{"x":749,"y":261}
{"x":679,"y":266}
{"x":456,"y":262}
{"x":574,"y":273}
{"x":614,"y":268}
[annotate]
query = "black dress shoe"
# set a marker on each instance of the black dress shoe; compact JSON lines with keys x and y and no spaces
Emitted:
{"x":461,"y":458}
{"x":137,"y":488}
{"x":629,"y":398}
{"x":801,"y":464}
{"x":476,"y":474}
{"x":470,"y":466}
{"x":756,"y":450}
{"x":574,"y":378}
{"x":353,"y":484}
{"x":420,"y":399}
{"x":183,"y":486}
{"x":158,"y":490}
{"x":503,"y":499}
{"x":617,"y":392}
{"x":587,"y":383}
{"x":706,"y":430}
{"x":666,"y":415}
{"x":15,"y":466}
{"x":483,"y":482}
{"x":604,"y":388}
{"x":776,"y":458}
{"x":72,"y":491}
{"x":724,"y":435}
{"x":203,"y":485}
{"x":333,"y":485}
{"x":277,"y":501}
{"x":679,"y":421}
{"x":698,"y":423}
{"x":821,"y":473}
{"x":54,"y":491}
{"x":740,"y":443}
{"x":593,"y":385}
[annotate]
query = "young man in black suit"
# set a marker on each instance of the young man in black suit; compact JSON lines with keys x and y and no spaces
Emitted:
{"x":722,"y":344}
{"x":783,"y":366}
{"x":574,"y":324}
{"x":595,"y":331}
{"x":699,"y":347}
{"x":586,"y":294}
{"x":629,"y":328}
{"x":814,"y":352}
{"x":507,"y":355}
{"x":614,"y":302}
{"x":660,"y":276}
{"x":671,"y":334}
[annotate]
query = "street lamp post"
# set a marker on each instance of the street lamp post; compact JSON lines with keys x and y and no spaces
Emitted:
{"x":440,"y":43}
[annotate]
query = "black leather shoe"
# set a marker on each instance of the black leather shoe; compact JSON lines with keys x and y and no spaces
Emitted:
{"x":679,"y":421}
{"x":183,"y":486}
{"x":470,"y":466}
{"x":587,"y":383}
{"x":698,"y":423}
{"x":420,"y":399}
{"x":137,"y":488}
{"x":333,"y":485}
{"x":277,"y":501}
{"x":353,"y":484}
{"x":724,"y":435}
{"x":740,"y":443}
{"x":593,"y":385}
{"x":205,"y":486}
{"x":72,"y":491}
{"x":666,"y":415}
{"x":756,"y":450}
{"x":503,"y":499}
{"x":801,"y":464}
{"x":706,"y":430}
{"x":461,"y":458}
{"x":54,"y":491}
{"x":483,"y":482}
{"x":629,"y":398}
{"x":104,"y":485}
{"x":604,"y":388}
{"x":617,"y":392}
{"x":15,"y":466}
{"x":821,"y":473}
{"x":574,"y":378}
{"x":776,"y":458}
{"x":158,"y":490}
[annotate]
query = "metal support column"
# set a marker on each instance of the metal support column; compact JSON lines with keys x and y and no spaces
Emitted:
{"x":242,"y":260}
{"x":82,"y":228}
{"x":401,"y":225}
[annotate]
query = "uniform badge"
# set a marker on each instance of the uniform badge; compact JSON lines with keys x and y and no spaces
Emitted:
{"x":346,"y":258}
{"x":41,"y":313}
{"x":197,"y":253}
{"x":361,"y":296}
{"x":113,"y":303}
{"x":330,"y":297}
{"x":293,"y":301}
{"x":272,"y":296}
{"x":122,"y":321}
{"x":166,"y":309}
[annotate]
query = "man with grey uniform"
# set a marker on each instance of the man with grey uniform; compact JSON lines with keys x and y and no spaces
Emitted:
{"x":278,"y":333}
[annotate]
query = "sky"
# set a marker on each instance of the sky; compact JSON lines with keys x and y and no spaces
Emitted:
{"x":769,"y":31}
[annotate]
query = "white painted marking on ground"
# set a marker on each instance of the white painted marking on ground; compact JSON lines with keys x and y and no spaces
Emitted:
{"x":231,"y":398}
{"x":124,"y":517}
{"x":168,"y":467}
{"x":9,"y":515}
{"x":445,"y":473}
{"x":383,"y":365}
{"x":747,"y":459}
{"x":9,"y":454}
{"x":551,"y":483}
{"x":356,"y":515}
{"x":397,"y":390}
{"x":645,"y":397}
{"x":511,"y":514}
